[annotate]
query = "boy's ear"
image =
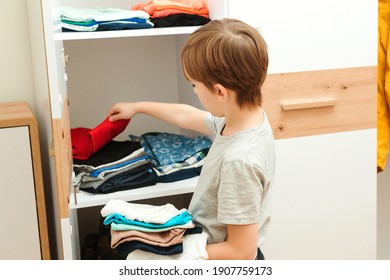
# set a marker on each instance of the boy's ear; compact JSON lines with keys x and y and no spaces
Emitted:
{"x":222,"y":93}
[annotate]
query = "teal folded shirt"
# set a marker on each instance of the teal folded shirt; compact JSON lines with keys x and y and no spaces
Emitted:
{"x":180,"y":219}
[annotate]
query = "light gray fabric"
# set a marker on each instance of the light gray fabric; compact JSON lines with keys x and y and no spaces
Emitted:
{"x":235,"y":183}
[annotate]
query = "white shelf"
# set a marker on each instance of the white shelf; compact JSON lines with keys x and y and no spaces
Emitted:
{"x":85,"y":199}
{"x":62,"y":36}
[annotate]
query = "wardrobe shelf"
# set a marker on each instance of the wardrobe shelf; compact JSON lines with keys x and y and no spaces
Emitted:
{"x":63,"y":36}
{"x":85,"y":199}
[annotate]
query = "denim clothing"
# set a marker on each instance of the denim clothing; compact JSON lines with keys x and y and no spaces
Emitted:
{"x":92,"y":182}
{"x":179,"y":175}
{"x":122,"y":25}
{"x":141,"y":176}
{"x":96,"y":172}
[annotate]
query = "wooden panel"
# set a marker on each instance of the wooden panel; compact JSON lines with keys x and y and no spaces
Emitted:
{"x":63,"y":159}
{"x":324,"y":101}
{"x":39,"y":189}
{"x":14,"y":114}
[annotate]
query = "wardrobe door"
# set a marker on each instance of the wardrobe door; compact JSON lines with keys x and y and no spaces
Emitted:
{"x":61,"y":150}
{"x":320,"y":99}
{"x":324,"y":198}
{"x":19,"y":238}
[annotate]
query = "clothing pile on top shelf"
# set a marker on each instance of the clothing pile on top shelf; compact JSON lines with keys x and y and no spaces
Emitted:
{"x":166,"y":13}
{"x":143,"y":231}
{"x":102,"y":19}
{"x":103,"y":165}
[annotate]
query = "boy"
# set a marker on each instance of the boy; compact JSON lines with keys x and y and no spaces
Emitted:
{"x":226,"y":61}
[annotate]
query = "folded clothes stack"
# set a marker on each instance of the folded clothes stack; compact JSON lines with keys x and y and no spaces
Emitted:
{"x":167,"y":13}
{"x":104,"y":165}
{"x":152,"y":231}
{"x":103,"y":19}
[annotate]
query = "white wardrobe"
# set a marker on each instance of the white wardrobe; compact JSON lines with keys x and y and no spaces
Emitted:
{"x":320,"y":99}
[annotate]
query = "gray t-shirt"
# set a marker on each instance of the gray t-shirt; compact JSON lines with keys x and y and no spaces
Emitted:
{"x":235,"y":183}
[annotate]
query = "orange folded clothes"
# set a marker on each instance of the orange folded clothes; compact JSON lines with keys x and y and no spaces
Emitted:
{"x":162,"y":8}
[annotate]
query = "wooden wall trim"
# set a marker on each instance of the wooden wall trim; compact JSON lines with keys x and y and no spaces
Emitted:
{"x":350,"y":91}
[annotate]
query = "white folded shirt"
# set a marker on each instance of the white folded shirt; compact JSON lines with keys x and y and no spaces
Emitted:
{"x":158,"y":214}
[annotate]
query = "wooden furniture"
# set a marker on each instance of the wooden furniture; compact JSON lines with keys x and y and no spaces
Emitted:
{"x":321,"y":107}
{"x":24,"y":233}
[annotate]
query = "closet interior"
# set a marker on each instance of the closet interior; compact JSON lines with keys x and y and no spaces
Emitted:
{"x":104,"y":67}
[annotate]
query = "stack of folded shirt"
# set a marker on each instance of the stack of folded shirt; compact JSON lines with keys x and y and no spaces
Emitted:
{"x":154,"y":230}
{"x":165,"y":13}
{"x":101,"y":19}
{"x":119,"y":165}
{"x":174,"y":157}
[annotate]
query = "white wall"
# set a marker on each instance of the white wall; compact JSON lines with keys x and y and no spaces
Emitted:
{"x":23,"y":78}
{"x":285,"y":24}
{"x":16,"y":77}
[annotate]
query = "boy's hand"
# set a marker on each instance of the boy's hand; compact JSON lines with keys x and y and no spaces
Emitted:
{"x":121,"y":111}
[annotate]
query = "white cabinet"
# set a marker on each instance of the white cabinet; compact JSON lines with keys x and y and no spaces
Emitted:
{"x":324,"y":198}
{"x":24,"y":234}
{"x":18,"y":196}
{"x":320,"y":184}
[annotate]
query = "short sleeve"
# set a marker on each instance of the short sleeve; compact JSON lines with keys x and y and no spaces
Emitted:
{"x":214,"y":124}
{"x":239,"y":193}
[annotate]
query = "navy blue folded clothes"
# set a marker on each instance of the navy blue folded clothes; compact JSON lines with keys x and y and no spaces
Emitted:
{"x":127,"y":247}
{"x":138,"y":177}
{"x":179,"y":175}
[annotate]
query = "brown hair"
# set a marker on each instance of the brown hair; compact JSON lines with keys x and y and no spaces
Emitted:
{"x":231,"y":53}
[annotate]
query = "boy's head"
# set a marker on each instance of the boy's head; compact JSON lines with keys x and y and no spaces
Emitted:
{"x":231,"y":53}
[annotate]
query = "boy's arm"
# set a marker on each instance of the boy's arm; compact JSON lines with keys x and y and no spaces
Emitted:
{"x":182,"y":115}
{"x":241,"y":244}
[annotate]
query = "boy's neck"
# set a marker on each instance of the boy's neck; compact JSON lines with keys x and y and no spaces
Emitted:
{"x":242,"y":119}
